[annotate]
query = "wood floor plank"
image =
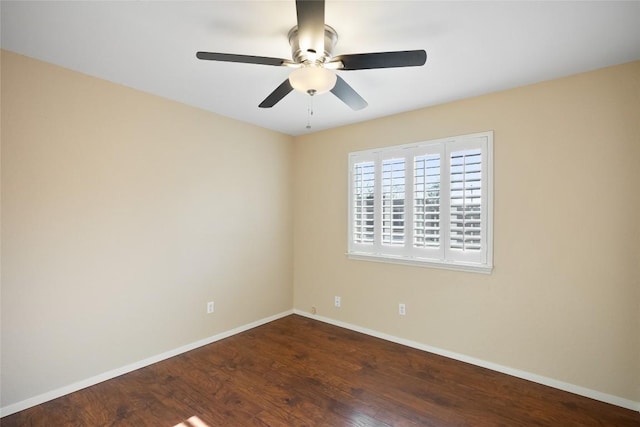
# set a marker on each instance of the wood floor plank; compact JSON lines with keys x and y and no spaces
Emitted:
{"x":297,"y":371}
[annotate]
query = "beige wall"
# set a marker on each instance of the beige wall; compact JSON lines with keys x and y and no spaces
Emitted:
{"x":122,"y":215}
{"x":564,"y":298}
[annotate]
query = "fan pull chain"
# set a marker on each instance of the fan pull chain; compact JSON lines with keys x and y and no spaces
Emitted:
{"x":311,"y":92}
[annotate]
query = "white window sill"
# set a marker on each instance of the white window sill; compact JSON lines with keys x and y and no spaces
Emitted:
{"x":418,"y":262}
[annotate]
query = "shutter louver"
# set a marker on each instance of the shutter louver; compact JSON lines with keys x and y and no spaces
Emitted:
{"x":465,"y":200}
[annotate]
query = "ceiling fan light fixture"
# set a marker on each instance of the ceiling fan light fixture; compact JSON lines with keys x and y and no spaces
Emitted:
{"x":312,"y":80}
{"x":312,"y":43}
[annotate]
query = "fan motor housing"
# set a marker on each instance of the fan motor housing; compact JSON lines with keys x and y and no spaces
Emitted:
{"x":301,"y":56}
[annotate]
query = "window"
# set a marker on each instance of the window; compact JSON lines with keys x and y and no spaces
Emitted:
{"x":427,"y":204}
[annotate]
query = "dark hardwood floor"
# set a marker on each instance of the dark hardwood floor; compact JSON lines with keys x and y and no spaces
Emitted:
{"x":300,"y":372}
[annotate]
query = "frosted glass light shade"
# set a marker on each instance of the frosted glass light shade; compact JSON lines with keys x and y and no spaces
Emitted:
{"x":313,"y":80}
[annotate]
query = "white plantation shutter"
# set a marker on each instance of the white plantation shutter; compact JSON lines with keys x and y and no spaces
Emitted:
{"x":426,"y":196}
{"x":363,"y":202}
{"x":468,"y":213}
{"x":393,"y":202}
{"x":427,"y":235}
{"x":426,"y":204}
{"x":465,"y":199}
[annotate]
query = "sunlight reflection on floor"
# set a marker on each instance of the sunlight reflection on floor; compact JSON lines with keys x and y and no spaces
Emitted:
{"x":192,"y":422}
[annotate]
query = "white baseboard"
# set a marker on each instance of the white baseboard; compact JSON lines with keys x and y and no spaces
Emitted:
{"x":572,"y":388}
{"x":54,"y":394}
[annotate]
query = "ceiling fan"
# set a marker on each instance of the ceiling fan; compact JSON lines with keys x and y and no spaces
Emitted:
{"x":312,"y":44}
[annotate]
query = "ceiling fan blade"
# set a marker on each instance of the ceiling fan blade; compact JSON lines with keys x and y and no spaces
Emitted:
{"x":348,"y":95}
{"x":311,"y":25}
{"x":246,"y":59}
{"x":365,"y":61}
{"x":275,"y":96}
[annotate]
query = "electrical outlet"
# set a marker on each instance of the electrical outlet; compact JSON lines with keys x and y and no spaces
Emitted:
{"x":337,"y":301}
{"x":210,"y":307}
{"x":402,"y":309}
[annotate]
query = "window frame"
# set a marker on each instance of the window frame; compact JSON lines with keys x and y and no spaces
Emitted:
{"x":442,"y":256}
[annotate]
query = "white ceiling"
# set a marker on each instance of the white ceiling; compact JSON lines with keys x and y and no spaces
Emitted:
{"x":473,"y":48}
